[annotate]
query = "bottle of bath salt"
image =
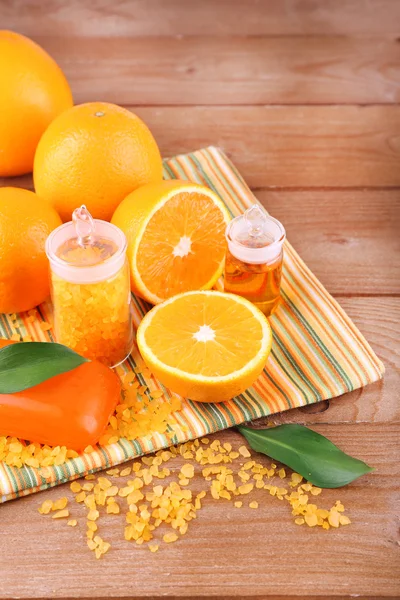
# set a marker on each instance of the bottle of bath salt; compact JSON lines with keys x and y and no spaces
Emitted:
{"x":90,"y":288}
{"x":253,"y":264}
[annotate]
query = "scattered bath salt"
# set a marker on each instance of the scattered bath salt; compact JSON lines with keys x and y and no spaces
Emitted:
{"x":60,"y":504}
{"x":75,"y":487}
{"x":243,"y":451}
{"x":148,"y":501}
{"x":61,"y":514}
{"x":126,"y":472}
{"x":46,"y":507}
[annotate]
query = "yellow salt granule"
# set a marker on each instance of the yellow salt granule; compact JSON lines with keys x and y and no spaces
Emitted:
{"x":61,"y":514}
{"x":72,"y":523}
{"x":94,"y":318}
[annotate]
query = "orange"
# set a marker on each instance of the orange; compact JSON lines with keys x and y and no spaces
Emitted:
{"x":33,"y":92}
{"x":94,"y":154}
{"x":176,"y":238}
{"x":25,"y":222}
{"x":206,"y":346}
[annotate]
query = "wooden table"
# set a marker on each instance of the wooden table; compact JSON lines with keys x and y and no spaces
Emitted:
{"x":303,"y":96}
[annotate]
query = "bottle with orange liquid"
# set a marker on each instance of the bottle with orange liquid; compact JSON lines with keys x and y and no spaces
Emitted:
{"x":253,"y":265}
{"x":90,"y":288}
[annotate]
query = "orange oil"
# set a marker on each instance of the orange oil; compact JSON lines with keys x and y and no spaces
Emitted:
{"x":259,"y":283}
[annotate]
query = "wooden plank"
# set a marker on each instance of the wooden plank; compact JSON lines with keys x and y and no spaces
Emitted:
{"x":227,"y":552}
{"x":348,"y":238}
{"x":178,"y":17}
{"x":291,"y":146}
{"x":249,"y":70}
{"x":288,"y":146}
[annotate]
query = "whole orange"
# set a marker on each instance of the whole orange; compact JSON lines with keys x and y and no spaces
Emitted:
{"x":33,"y":92}
{"x":94,"y":154}
{"x":25,"y":222}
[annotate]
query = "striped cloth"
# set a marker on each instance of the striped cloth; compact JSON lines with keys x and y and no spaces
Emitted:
{"x":317,"y":353}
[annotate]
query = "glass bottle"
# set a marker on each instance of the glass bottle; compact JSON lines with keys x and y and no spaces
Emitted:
{"x":90,"y":288}
{"x":253,"y":265}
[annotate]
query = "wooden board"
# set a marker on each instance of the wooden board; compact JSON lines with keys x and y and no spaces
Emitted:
{"x":349,"y":237}
{"x":209,"y":72}
{"x":208,"y":17}
{"x":294,"y":146}
{"x":228,"y":552}
{"x":249,"y":70}
{"x":288,"y":146}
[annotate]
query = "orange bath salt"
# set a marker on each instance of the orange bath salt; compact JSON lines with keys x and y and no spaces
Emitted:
{"x":61,"y":514}
{"x":60,"y":504}
{"x":75,"y":487}
{"x":94,"y":318}
{"x":46,"y":507}
{"x":170,"y":537}
{"x":93,"y":515}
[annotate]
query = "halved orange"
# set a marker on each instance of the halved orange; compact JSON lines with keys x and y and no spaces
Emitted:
{"x":176,"y":238}
{"x":207,"y":346}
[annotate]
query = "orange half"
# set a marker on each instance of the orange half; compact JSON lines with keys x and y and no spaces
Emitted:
{"x":176,"y":238}
{"x":207,"y":346}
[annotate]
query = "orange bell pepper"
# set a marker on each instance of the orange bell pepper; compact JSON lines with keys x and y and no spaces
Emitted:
{"x":71,"y":409}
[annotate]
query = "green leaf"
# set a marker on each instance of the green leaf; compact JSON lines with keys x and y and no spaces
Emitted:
{"x":306,"y":452}
{"x":27,"y":364}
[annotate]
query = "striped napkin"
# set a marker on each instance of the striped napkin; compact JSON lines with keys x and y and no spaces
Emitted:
{"x":317,"y":352}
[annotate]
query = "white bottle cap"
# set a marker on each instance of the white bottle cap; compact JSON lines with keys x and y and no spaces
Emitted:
{"x":86,"y":274}
{"x":255,"y":237}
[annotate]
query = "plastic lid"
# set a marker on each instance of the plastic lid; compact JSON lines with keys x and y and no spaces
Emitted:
{"x":86,"y":250}
{"x":255,"y":237}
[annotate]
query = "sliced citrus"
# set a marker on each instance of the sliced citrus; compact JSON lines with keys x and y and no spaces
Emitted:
{"x":206,"y":346}
{"x":176,"y":243}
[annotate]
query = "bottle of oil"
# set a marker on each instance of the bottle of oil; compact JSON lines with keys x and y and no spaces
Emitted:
{"x":253,"y":266}
{"x":90,"y":288}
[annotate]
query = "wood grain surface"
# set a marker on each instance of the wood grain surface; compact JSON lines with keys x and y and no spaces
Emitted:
{"x":89,"y":18}
{"x":228,"y":552}
{"x":249,"y":70}
{"x":303,"y":95}
{"x":288,"y":146}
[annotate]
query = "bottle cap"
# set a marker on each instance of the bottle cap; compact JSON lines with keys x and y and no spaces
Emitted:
{"x":255,"y":237}
{"x":86,"y":239}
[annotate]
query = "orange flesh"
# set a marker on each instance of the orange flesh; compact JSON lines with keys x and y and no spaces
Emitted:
{"x":195,"y":218}
{"x":238,"y":335}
